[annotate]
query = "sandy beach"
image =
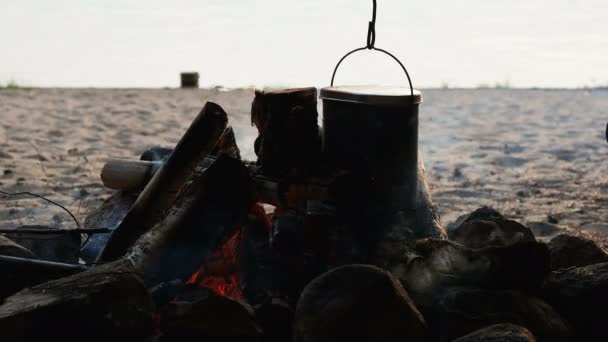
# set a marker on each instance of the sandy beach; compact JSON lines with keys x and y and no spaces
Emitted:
{"x":535,"y":155}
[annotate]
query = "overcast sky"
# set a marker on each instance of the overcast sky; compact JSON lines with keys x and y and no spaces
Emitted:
{"x":146,"y":43}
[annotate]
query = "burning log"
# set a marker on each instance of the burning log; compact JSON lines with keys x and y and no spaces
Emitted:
{"x":201,"y":220}
{"x":168,"y":182}
{"x":105,"y":303}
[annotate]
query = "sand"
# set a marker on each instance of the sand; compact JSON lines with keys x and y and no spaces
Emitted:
{"x":535,"y":155}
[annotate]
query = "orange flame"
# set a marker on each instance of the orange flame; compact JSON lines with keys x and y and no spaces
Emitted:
{"x":220,"y":272}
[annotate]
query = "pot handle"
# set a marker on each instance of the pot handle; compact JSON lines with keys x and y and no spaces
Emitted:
{"x":333,"y":76}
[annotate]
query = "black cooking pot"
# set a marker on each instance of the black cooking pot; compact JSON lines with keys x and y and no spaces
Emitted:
{"x":373,"y":131}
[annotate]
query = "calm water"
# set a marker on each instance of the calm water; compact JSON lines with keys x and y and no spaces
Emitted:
{"x":546,"y":43}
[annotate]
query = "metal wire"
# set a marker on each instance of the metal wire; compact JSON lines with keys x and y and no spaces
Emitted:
{"x":370,"y":45}
{"x":45,"y":199}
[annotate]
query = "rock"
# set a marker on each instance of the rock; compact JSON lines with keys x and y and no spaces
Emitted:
{"x":441,"y":263}
{"x":460,"y":311}
{"x":275,"y":316}
{"x":483,"y":213}
{"x":487,"y":227}
{"x":10,"y":248}
{"x":105,"y":303}
{"x":200,"y":314}
{"x":544,"y":231}
{"x":505,"y":332}
{"x":569,"y":250}
{"x":580,"y":294}
{"x":357,"y":303}
{"x":552,"y":219}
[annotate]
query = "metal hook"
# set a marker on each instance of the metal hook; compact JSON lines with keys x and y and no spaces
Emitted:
{"x":371,"y":40}
{"x":371,"y":29}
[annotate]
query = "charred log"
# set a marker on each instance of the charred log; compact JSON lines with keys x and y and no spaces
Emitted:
{"x":200,"y":314}
{"x":162,"y":190}
{"x":288,"y":131}
{"x":105,"y":303}
{"x":227,"y":145}
{"x":109,"y":216}
{"x":18,"y":273}
{"x":201,"y":220}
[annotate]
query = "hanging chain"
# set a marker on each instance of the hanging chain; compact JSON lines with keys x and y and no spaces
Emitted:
{"x":371,"y":30}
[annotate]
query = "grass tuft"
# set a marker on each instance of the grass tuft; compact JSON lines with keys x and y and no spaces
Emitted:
{"x":11,"y":85}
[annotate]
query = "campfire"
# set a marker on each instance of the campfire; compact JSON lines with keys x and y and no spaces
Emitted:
{"x":331,"y":234}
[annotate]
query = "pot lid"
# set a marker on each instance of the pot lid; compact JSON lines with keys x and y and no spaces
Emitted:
{"x":372,"y":94}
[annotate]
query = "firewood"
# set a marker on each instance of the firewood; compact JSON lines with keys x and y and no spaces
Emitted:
{"x":200,"y":314}
{"x":266,"y":189}
{"x":105,"y":303}
{"x":162,"y":190}
{"x":18,"y":273}
{"x":288,"y":131}
{"x":120,"y":174}
{"x":227,"y":145}
{"x":131,"y":175}
{"x":109,"y":216}
{"x":200,"y":221}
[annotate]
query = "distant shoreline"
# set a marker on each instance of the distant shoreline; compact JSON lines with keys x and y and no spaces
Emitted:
{"x":222,"y":88}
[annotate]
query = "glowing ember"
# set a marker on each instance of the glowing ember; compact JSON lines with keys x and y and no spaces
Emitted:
{"x":220,"y":272}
